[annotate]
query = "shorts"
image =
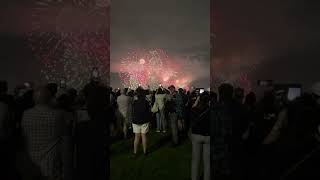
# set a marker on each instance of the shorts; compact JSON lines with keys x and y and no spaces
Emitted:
{"x":140,"y":128}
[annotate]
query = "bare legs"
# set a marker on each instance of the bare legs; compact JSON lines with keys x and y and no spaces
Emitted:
{"x":137,"y":138}
{"x":136,"y":142}
{"x":125,"y":130}
{"x":144,"y":143}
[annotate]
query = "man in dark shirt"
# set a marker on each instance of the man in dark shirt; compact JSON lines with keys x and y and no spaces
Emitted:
{"x":92,"y":151}
{"x":227,"y":129}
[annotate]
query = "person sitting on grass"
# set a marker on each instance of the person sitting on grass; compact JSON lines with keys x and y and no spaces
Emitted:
{"x":140,"y":121}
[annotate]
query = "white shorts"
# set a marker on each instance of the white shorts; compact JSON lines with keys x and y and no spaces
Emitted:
{"x":140,"y":128}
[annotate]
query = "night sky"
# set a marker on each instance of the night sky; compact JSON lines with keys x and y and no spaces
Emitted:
{"x":280,"y":38}
{"x":181,"y":28}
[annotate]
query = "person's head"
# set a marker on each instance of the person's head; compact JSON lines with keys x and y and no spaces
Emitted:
{"x":123,"y":91}
{"x":180,"y":90}
{"x":239,"y":94}
{"x":250,"y":98}
{"x":3,"y":87}
{"x":204,"y":97}
{"x":172,"y":88}
{"x":53,"y":88}
{"x":160,"y":91}
{"x":43,"y":96}
{"x":72,"y":93}
{"x":140,"y":92}
{"x":213,"y":96}
{"x":130,"y":93}
{"x":63,"y":100}
{"x":147,"y":92}
{"x":225,"y":92}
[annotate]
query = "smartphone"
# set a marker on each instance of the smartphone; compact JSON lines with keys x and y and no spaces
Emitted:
{"x":265,"y":83}
{"x":27,"y":85}
{"x":201,"y":91}
{"x":293,"y":93}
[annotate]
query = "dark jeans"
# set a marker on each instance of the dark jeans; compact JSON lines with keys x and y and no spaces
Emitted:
{"x":67,"y":157}
{"x":174,"y":127}
{"x":92,"y":140}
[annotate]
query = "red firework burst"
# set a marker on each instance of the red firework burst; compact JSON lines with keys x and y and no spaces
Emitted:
{"x":149,"y":68}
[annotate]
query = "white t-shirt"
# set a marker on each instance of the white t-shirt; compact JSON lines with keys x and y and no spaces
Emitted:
{"x":123,"y":104}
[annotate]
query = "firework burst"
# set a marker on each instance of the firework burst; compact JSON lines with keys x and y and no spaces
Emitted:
{"x":149,"y":68}
{"x":69,"y":37}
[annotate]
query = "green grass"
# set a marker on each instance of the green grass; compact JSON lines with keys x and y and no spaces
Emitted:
{"x":163,"y":163}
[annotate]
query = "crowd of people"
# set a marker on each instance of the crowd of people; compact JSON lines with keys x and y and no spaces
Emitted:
{"x":51,"y":131}
{"x":271,"y":138}
{"x":180,"y":111}
{"x":245,"y":138}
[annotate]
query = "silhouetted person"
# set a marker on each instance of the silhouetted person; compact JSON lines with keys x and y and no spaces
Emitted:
{"x":228,"y":127}
{"x":239,"y":95}
{"x":172,"y":112}
{"x":160,"y":99}
{"x":42,"y":129}
{"x":295,"y":136}
{"x":180,"y":109}
{"x":200,"y":137}
{"x":93,"y":136}
{"x":7,"y":125}
{"x":5,"y":103}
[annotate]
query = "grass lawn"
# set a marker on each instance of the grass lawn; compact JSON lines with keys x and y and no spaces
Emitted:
{"x":164,"y":162}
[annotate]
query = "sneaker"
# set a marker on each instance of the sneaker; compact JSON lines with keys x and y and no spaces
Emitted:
{"x":164,"y":131}
{"x":158,"y":131}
